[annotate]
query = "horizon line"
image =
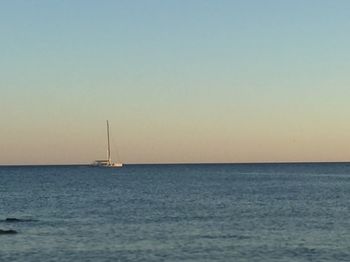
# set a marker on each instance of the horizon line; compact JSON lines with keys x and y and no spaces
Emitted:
{"x":186,"y":163}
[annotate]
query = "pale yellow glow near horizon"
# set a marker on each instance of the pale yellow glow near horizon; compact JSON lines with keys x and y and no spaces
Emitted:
{"x":179,"y":142}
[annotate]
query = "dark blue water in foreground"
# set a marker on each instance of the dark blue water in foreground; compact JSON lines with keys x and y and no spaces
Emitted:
{"x":253,"y":212}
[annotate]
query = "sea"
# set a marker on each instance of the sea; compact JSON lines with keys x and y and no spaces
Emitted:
{"x":197,"y":212}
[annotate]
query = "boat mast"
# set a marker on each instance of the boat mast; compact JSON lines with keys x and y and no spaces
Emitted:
{"x":109,"y":147}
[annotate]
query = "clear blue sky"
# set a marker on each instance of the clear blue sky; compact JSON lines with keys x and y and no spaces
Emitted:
{"x":180,"y":81}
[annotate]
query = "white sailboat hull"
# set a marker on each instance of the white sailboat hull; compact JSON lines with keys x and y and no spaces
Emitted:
{"x":100,"y":163}
{"x":116,"y":165}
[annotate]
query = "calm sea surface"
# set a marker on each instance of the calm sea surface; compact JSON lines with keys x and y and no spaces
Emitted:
{"x":251,"y":212}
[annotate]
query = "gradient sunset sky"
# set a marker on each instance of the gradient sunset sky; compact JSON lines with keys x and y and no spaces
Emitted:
{"x":179,"y":81}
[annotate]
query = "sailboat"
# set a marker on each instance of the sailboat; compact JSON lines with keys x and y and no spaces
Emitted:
{"x":108,"y":162}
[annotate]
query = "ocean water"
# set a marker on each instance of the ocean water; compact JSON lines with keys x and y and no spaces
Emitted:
{"x":241,"y":212}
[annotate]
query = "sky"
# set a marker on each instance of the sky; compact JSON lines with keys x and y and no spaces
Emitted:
{"x":199,"y":81}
